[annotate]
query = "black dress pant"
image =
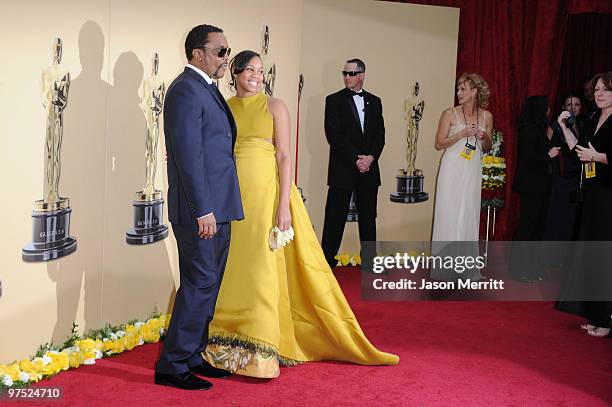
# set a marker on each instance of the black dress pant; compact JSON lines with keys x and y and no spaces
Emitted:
{"x":336,"y":210}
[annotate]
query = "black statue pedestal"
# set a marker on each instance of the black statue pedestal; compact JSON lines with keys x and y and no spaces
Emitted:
{"x":352,"y":215}
{"x":50,"y":232}
{"x":148,"y":218}
{"x":409,"y":187}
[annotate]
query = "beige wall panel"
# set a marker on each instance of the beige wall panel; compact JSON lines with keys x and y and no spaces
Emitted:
{"x":41,"y":300}
{"x":107,"y":48}
{"x":400,"y":44}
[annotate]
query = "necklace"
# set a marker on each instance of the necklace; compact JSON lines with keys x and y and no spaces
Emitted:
{"x":465,"y":120}
{"x":466,"y":123}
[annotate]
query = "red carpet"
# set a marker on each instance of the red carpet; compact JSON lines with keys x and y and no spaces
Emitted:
{"x":452,"y":354}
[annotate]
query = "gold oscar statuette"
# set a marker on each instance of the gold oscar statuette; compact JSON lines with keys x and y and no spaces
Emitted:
{"x":148,"y":206}
{"x":410,"y":179}
{"x":269,"y":67}
{"x":51,"y":216}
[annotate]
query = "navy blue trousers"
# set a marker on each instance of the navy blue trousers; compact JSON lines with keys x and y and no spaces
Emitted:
{"x":202,"y":264}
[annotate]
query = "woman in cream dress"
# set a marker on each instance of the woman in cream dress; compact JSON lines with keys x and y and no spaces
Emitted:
{"x":464,"y":133}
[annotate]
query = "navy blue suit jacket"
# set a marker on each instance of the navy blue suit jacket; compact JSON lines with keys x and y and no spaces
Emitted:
{"x":200,"y":133}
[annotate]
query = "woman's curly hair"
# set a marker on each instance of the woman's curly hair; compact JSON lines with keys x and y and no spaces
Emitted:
{"x":477,"y":82}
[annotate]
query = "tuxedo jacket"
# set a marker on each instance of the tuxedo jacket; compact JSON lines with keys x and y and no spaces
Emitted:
{"x":347,"y":140}
{"x":200,"y":133}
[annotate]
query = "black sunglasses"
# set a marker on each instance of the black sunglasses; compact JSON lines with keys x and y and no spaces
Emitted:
{"x":222,"y":52}
{"x":351,"y":73}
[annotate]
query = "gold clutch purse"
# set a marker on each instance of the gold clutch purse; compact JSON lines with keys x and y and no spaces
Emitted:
{"x":278,"y":238}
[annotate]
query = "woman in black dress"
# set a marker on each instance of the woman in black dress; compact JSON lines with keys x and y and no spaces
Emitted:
{"x":594,"y":149}
{"x":532,"y":182}
{"x":565,"y":177}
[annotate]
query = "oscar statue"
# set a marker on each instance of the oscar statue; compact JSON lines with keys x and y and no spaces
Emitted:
{"x":269,"y":67}
{"x":149,"y":203}
{"x":410,"y":180}
{"x":51,"y":216}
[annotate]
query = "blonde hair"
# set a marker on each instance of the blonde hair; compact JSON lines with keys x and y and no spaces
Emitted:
{"x":477,"y":82}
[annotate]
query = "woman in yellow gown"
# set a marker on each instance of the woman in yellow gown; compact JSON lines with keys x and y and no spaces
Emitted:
{"x":278,"y":307}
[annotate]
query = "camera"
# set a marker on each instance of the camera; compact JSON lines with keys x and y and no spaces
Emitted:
{"x":570,"y":120}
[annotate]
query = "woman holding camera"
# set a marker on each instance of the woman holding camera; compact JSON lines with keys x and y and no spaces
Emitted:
{"x":594,"y":149}
{"x":564,"y":177}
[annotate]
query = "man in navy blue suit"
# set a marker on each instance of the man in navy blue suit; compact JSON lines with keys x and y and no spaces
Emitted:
{"x":203,"y":200}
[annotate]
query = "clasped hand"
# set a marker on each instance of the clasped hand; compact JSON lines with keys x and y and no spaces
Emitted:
{"x":363,"y":163}
{"x":473,"y":131}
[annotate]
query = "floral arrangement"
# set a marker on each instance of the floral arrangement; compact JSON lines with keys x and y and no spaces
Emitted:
{"x":493,"y":173}
{"x":345,"y":259}
{"x":51,"y":360}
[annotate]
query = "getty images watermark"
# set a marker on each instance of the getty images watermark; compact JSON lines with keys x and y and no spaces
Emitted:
{"x":490,"y":271}
{"x":450,"y":265}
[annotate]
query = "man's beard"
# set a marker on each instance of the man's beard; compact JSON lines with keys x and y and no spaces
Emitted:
{"x":216,"y":74}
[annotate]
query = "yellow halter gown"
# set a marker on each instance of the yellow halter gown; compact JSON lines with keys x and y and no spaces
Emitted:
{"x":277,"y":307}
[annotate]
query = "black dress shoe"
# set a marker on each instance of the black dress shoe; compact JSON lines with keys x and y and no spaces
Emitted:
{"x":206,"y":369}
{"x":185,"y":381}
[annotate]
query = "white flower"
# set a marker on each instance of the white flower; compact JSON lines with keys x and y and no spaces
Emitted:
{"x":113,"y":336}
{"x":120,"y":334}
{"x":7,"y":381}
{"x":138,"y":324}
{"x":90,"y":361}
{"x":99,"y":354}
{"x":46,"y":360}
{"x":24,"y":377}
{"x":140,"y":341}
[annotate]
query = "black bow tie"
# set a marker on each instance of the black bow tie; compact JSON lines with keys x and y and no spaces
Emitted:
{"x":353,"y":93}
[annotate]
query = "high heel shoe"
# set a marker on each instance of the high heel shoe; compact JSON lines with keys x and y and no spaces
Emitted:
{"x":599,"y":332}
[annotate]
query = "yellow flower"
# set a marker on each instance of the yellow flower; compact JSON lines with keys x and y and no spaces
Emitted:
{"x":11,"y":370}
{"x":38,"y":366}
{"x":86,"y":344}
{"x":99,"y":345}
{"x":89,"y":354}
{"x":149,"y":334}
{"x":63,"y":359}
{"x":118,"y":346}
{"x":108,"y":345}
{"x":31,"y":369}
{"x":343,"y":259}
{"x":52,"y":368}
{"x":165,"y":320}
{"x":154,"y":323}
{"x":358,"y":259}
{"x":75,"y":358}
{"x":131,"y":330}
